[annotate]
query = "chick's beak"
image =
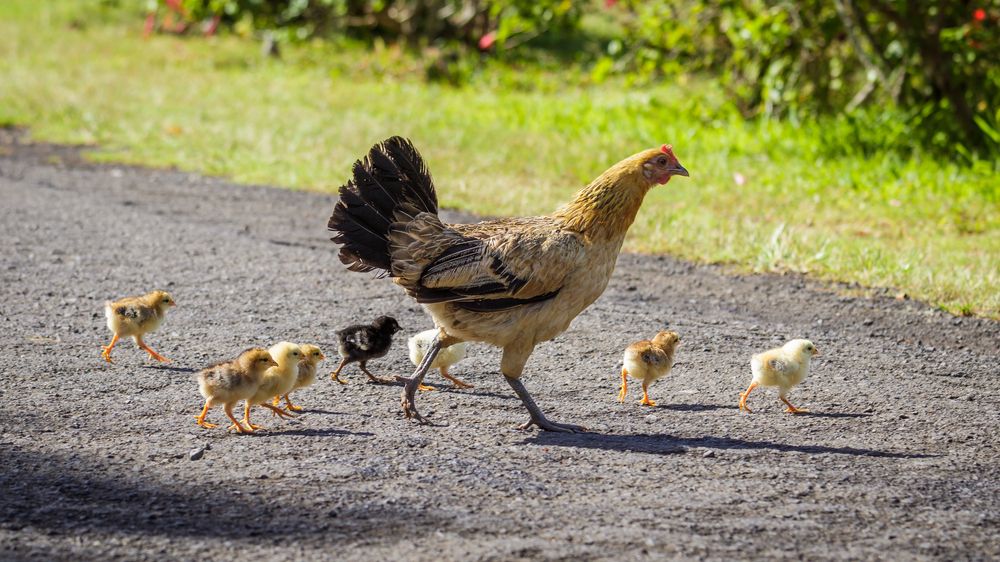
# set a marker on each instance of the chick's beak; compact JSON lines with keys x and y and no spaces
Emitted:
{"x":815,"y":351}
{"x":679,"y":170}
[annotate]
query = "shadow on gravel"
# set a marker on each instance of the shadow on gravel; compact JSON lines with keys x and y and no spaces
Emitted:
{"x":696,"y":407}
{"x":663,"y":444}
{"x":72,"y":495}
{"x":172,"y":369}
{"x":835,"y":415}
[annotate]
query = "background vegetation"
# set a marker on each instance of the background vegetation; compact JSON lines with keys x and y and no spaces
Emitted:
{"x":804,"y":157}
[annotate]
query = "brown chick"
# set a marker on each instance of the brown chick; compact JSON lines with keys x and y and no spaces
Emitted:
{"x":229,"y":382}
{"x":311,"y":356}
{"x":648,"y":360}
{"x":512,"y":282}
{"x":135,"y":317}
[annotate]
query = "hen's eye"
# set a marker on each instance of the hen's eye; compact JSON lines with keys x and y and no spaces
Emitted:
{"x":662,"y":161}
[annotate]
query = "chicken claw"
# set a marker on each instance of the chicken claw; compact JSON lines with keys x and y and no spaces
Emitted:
{"x":408,"y":401}
{"x":792,"y":409}
{"x":457,"y":382}
{"x":142,"y":345}
{"x":537,"y":417}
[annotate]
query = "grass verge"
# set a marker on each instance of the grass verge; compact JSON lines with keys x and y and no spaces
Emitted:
{"x":762,"y":195}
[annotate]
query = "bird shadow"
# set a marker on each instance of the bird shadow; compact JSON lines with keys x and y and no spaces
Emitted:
{"x":834,"y":415}
{"x":172,"y":368}
{"x":663,"y":444}
{"x":696,"y":407}
{"x":323,"y":412}
{"x":320,"y":432}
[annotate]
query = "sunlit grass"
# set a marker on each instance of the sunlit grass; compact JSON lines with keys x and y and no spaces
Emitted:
{"x":924,"y":226}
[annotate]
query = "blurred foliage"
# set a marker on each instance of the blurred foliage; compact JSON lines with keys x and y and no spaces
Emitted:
{"x":936,"y":61}
{"x":899,"y":74}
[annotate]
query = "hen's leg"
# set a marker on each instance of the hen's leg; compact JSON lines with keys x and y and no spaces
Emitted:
{"x":414,"y":382}
{"x":142,"y":345}
{"x":336,"y":374}
{"x":792,"y":409}
{"x":455,"y":381}
{"x":623,"y":391}
{"x":106,"y":350}
{"x":200,"y":418}
{"x":537,"y":417}
{"x":744,"y":396}
{"x":373,"y":378}
{"x":645,"y":395}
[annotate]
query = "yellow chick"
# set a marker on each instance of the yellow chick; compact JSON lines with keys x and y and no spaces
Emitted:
{"x":231,"y":381}
{"x":420,"y":343}
{"x":648,"y":360}
{"x":277,"y":380}
{"x":783,"y":367}
{"x":135,"y":317}
{"x":311,"y":356}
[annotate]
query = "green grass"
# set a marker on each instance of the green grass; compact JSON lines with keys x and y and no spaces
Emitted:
{"x":514,"y":141}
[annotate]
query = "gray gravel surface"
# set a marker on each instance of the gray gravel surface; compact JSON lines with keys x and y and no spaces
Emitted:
{"x":97,"y":461}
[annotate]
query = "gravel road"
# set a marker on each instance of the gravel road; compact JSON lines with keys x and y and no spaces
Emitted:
{"x":898,"y":460}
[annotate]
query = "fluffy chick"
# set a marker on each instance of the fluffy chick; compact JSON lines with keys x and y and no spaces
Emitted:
{"x":648,"y":360}
{"x":361,"y":343}
{"x":311,"y":356}
{"x":783,"y":367}
{"x":420,"y":343}
{"x":135,"y":317}
{"x":229,"y":382}
{"x":277,"y":380}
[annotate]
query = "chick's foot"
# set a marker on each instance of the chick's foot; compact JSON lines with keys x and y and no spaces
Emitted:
{"x":792,"y":409}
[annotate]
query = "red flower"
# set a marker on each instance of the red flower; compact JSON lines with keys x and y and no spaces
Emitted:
{"x":487,"y":41}
{"x":979,"y":14}
{"x":608,"y":4}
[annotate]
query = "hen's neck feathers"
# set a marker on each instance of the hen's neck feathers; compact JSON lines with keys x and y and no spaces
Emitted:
{"x":605,"y":209}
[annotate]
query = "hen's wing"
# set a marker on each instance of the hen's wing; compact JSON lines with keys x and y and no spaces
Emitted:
{"x":484,"y":267}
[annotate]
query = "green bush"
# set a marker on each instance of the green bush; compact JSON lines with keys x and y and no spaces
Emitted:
{"x":933,"y":61}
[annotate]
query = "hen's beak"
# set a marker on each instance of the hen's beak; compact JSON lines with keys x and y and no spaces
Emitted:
{"x":679,"y":170}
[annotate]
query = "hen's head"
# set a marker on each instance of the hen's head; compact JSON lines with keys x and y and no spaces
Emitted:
{"x":660,"y":164}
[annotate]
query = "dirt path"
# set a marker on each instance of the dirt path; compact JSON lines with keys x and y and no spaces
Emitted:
{"x":900,"y":459}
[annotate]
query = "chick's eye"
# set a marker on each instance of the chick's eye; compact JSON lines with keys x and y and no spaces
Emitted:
{"x":662,"y":161}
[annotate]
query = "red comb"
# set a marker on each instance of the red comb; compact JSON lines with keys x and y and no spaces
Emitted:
{"x":667,"y":149}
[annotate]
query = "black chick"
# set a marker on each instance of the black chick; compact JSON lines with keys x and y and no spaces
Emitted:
{"x":364,"y":342}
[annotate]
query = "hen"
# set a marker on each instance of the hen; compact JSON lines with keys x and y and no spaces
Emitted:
{"x":513,"y":282}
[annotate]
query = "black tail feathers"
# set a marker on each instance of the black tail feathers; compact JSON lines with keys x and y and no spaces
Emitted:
{"x":392,"y":179}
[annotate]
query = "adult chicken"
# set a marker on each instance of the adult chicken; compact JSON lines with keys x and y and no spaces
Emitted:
{"x":512,"y":282}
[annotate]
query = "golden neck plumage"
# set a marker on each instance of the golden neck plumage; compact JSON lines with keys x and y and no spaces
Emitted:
{"x":605,"y":209}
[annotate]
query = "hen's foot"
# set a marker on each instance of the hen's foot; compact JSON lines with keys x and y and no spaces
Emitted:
{"x":408,"y":400}
{"x":544,"y":424}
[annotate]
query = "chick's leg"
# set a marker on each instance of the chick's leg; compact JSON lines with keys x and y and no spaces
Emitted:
{"x":537,"y":417}
{"x":246,"y":417}
{"x":623,"y":391}
{"x":200,"y":418}
{"x":106,"y":350}
{"x":236,"y":424}
{"x":744,"y":396}
{"x":335,"y":376}
{"x":142,"y":345}
{"x":288,"y":404}
{"x":455,"y":381}
{"x":645,"y":395}
{"x":378,"y":380}
{"x":277,"y":411}
{"x":792,"y":409}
